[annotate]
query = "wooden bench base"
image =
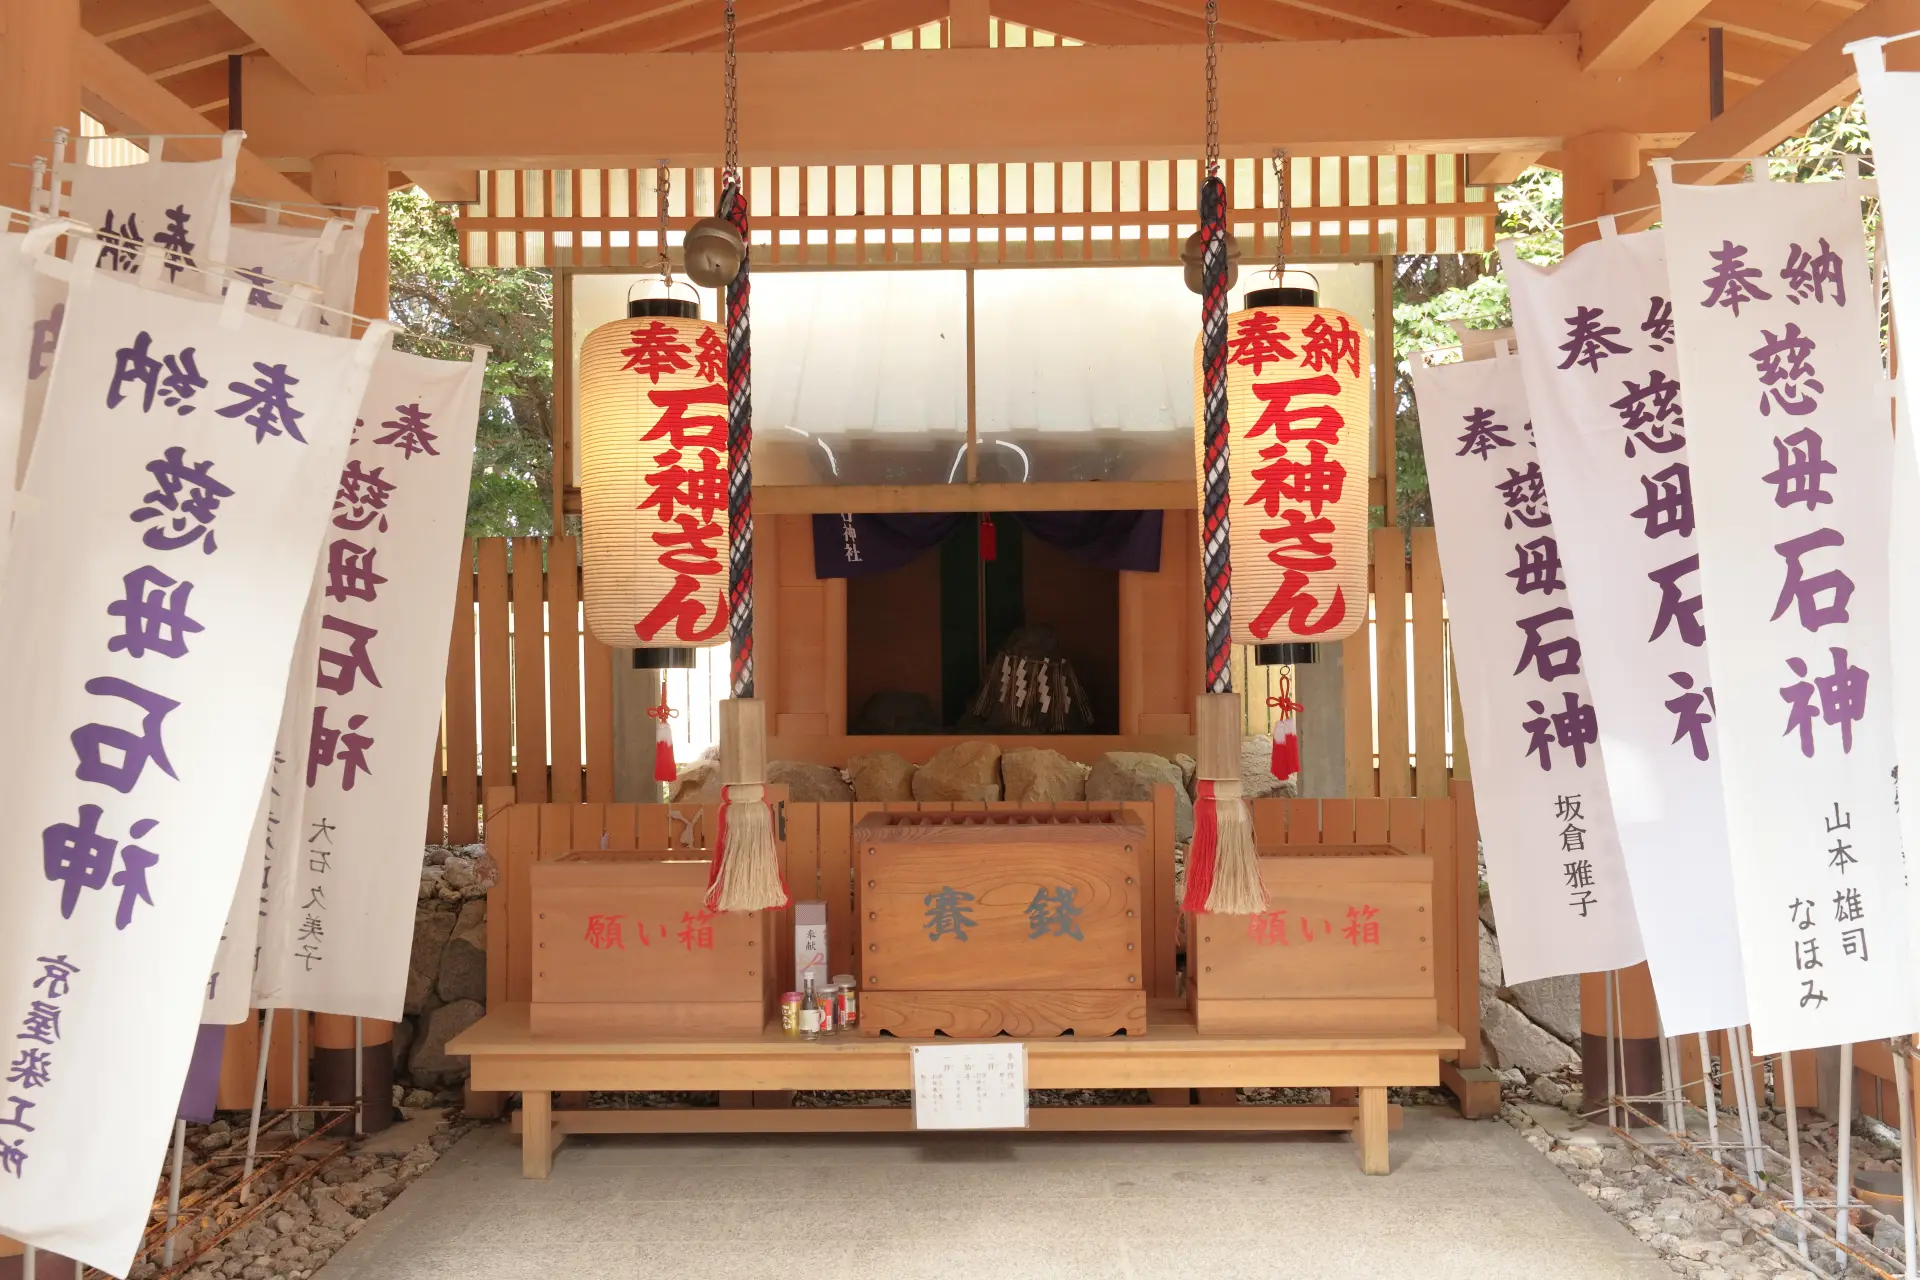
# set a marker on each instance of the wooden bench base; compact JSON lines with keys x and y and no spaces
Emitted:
{"x":507,"y":1057}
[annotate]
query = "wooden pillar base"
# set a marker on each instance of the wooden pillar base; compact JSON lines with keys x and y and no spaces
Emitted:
{"x":1371,"y":1133}
{"x":333,"y":1067}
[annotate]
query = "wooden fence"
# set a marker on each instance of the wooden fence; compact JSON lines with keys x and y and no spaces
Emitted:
{"x":529,"y":694}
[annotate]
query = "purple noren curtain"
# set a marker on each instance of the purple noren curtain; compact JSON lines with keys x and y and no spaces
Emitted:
{"x":852,"y":545}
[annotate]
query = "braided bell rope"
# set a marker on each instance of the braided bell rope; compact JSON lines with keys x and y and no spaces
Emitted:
{"x":1217,"y":566}
{"x":733,"y":207}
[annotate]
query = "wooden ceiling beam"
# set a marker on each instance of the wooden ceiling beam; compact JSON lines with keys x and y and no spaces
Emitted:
{"x":113,"y":20}
{"x":1523,"y":15}
{"x":130,"y":99}
{"x":1120,"y":21}
{"x":1268,"y":19}
{"x":553,"y":27}
{"x":1402,"y":17}
{"x":324,"y":44}
{"x":1794,"y":24}
{"x":429,"y":26}
{"x":1619,"y":35}
{"x":202,"y":88}
{"x":842,"y":24}
{"x":1816,"y":81}
{"x":433,"y":112}
{"x":172,"y":50}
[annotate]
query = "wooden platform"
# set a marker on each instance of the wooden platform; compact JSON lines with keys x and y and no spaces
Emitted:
{"x":508,"y":1057}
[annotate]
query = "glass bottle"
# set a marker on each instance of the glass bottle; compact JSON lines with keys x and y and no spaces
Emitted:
{"x":809,"y":1012}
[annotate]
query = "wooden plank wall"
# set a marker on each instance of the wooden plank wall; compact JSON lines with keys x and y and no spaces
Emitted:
{"x":818,"y":858}
{"x":517,"y":666}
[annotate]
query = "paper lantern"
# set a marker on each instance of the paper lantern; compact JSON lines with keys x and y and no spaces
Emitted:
{"x":1299,"y":416}
{"x":653,"y":480}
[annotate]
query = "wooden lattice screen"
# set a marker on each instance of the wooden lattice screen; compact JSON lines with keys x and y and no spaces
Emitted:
{"x":984,"y":214}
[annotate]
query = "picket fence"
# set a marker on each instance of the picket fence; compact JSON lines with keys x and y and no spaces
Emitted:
{"x":529,"y":694}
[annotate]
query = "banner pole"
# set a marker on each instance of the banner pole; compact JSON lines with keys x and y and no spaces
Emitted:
{"x":1843,"y":1174}
{"x":1783,"y":1090}
{"x":359,"y":1078}
{"x":259,"y":1096}
{"x":1903,"y":1086}
{"x":173,"y":1188}
{"x":1613,"y":1109}
{"x":295,"y":1097}
{"x":1710,"y":1091}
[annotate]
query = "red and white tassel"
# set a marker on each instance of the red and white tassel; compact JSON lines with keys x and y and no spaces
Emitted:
{"x":1286,"y":734}
{"x":664,"y":768}
{"x":745,"y":872}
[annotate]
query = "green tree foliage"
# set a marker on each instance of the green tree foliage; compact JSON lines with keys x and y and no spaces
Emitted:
{"x":445,"y":307}
{"x":1431,"y":289}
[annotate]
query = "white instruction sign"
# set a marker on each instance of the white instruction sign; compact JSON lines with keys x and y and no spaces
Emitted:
{"x":970,"y":1086}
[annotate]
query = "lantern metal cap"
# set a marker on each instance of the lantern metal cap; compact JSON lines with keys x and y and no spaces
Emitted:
{"x":680,"y":308}
{"x":677,"y":659}
{"x":1290,"y":296}
{"x":1284,"y":655}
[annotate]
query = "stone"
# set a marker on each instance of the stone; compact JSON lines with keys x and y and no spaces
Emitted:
{"x":431,"y":929}
{"x":1188,"y":767}
{"x":1549,"y":1091}
{"x":1489,"y":963}
{"x":1132,"y":775}
{"x":698,"y":781}
{"x":457,"y":873}
{"x":463,"y":965}
{"x":1513,"y":1041}
{"x":880,"y":776}
{"x":810,"y":783}
{"x":1552,"y":1003}
{"x":1041,"y":776}
{"x":430,"y":1063}
{"x":403,"y":1033}
{"x":963,"y":771}
{"x":1256,"y":769}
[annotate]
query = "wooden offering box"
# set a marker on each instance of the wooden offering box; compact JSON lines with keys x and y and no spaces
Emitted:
{"x":1346,"y":945}
{"x":1026,"y":922}
{"x":627,"y":946}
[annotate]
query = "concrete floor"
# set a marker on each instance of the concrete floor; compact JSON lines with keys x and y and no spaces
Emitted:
{"x":1464,"y":1200}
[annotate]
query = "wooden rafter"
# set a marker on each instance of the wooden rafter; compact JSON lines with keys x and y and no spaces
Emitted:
{"x":428,"y":28}
{"x":1783,"y":22}
{"x":1618,"y":35}
{"x":1269,"y":20}
{"x":1396,"y":18}
{"x":1816,"y":81}
{"x":1116,"y":21}
{"x":560,"y":28}
{"x":684,"y":27}
{"x":113,"y":20}
{"x":840,"y":24}
{"x":202,"y":41}
{"x":324,"y":44}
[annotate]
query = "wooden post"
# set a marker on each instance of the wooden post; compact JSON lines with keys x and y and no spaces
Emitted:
{"x":333,"y":1066}
{"x":536,"y":1133}
{"x":39,"y":85}
{"x":743,"y":742}
{"x":1217,"y":749}
{"x":1371,"y":1132}
{"x":1320,"y":686}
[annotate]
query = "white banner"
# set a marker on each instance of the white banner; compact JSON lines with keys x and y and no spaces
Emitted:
{"x":25,"y":350}
{"x":1598,"y":353}
{"x":272,"y":258}
{"x":344,"y":877}
{"x":153,"y":594}
{"x":178,"y":208}
{"x":1790,"y":435}
{"x":1893,"y":118}
{"x":1546,"y":822}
